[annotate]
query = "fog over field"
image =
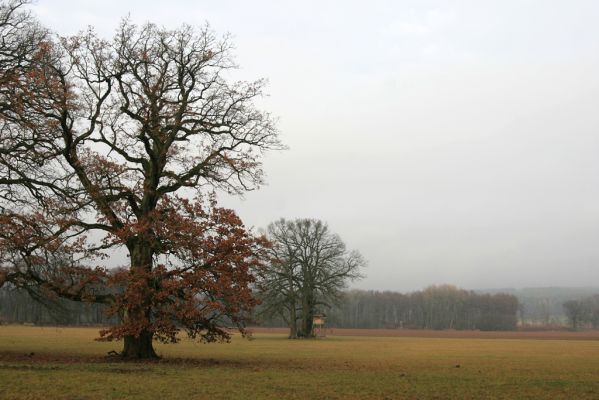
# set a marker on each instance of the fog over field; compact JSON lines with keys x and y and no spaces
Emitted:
{"x":449,"y":141}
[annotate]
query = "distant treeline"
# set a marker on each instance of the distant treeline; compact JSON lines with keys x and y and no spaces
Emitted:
{"x":18,"y":306}
{"x":437,"y":307}
{"x":543,"y":307}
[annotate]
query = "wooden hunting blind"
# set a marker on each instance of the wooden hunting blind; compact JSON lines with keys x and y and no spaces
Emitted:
{"x":318,"y":322}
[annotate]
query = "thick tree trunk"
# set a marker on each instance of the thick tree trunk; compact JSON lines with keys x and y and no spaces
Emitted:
{"x":139,"y":347}
{"x":293,"y":322}
{"x":308,"y":325}
{"x":307,"y":316}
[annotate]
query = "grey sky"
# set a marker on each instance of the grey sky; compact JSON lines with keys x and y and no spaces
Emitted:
{"x":448,"y":141}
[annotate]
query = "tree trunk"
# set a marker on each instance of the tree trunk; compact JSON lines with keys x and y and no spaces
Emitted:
{"x":308,"y":326}
{"x":293,"y":321}
{"x":139,"y":347}
{"x":307,"y":316}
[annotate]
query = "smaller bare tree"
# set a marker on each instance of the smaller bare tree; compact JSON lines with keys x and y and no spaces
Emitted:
{"x":310,"y":265}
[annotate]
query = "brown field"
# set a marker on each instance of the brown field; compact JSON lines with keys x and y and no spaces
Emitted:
{"x":66,"y":363}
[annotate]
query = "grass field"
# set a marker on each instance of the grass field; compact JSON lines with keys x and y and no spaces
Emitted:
{"x":65,"y":363}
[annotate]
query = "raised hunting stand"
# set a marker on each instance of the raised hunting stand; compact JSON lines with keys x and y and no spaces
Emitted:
{"x":318,"y":324}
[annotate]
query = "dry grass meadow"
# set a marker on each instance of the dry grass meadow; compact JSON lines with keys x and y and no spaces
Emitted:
{"x":65,"y":363}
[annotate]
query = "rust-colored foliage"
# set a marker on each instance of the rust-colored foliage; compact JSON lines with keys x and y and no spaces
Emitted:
{"x":205,"y":273}
{"x":118,"y":146}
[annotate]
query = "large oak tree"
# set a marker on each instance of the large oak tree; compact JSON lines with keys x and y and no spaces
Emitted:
{"x":117,"y":145}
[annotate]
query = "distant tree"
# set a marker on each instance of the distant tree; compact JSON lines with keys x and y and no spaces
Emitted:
{"x":522,"y":313}
{"x":592,"y":306}
{"x":310,"y":265}
{"x":125,"y":140}
{"x":575,"y":311}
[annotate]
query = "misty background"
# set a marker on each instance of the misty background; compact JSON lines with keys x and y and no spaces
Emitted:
{"x":448,"y":141}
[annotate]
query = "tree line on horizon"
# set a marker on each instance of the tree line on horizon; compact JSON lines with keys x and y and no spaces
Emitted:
{"x":436,"y":307}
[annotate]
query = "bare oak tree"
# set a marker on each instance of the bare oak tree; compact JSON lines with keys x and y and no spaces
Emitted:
{"x":310,"y":265}
{"x":119,"y":144}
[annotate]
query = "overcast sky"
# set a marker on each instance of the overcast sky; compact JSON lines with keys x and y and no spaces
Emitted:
{"x":448,"y":141}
